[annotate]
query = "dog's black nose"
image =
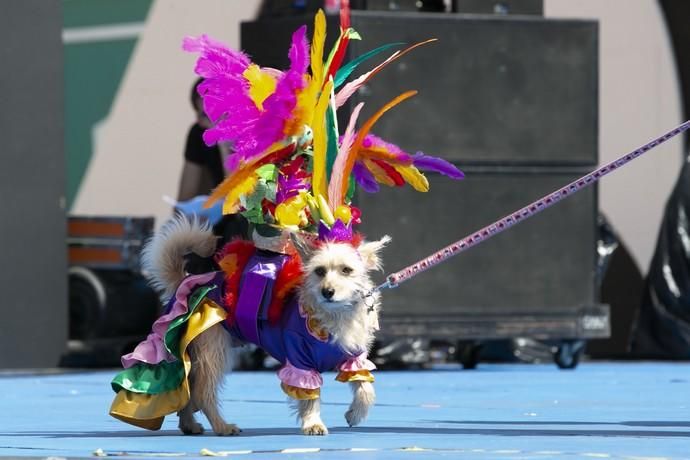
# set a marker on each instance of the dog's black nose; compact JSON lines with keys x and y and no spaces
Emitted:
{"x":327,"y":293}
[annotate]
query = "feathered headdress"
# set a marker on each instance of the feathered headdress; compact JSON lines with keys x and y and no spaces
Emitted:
{"x":291,"y":168}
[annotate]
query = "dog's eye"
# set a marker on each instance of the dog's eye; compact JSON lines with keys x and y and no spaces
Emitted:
{"x":320,"y":271}
{"x":346,"y":270}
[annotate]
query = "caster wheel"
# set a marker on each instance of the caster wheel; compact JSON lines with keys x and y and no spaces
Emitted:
{"x":468,"y":354}
{"x":568,"y":353}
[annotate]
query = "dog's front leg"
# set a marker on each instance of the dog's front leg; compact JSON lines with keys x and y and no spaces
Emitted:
{"x":363,"y":397}
{"x":309,"y":415}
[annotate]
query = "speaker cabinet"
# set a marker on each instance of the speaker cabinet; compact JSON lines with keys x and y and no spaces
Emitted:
{"x":513,"y":101}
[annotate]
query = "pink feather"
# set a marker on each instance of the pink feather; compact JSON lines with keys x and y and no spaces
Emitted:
{"x":335,"y":197}
{"x":279,"y":106}
{"x":224,"y":91}
{"x":376,"y":143}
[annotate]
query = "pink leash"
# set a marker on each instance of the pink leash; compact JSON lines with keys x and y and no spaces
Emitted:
{"x":522,"y":214}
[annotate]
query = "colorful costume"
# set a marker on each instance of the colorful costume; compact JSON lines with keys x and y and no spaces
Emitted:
{"x":154,"y":382}
{"x":290,"y":170}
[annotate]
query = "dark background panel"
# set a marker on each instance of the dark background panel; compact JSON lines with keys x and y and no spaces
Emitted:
{"x":546,"y":261}
{"x":33,"y":274}
{"x":491,"y":90}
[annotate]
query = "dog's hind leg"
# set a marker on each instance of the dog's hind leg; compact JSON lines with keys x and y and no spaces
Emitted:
{"x":363,"y":397}
{"x":210,"y":359}
{"x":309,"y":415}
{"x":188,"y":424}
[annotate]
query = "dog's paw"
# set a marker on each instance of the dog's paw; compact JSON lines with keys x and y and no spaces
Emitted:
{"x":316,"y":429}
{"x":228,"y":429}
{"x":354,"y":417}
{"x":192,"y":428}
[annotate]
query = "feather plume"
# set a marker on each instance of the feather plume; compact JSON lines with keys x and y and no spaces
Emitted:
{"x":344,"y":14}
{"x":345,"y":71}
{"x":278,"y":107}
{"x":320,"y":141}
{"x":332,"y":140}
{"x":225,"y":91}
{"x":413,"y":177}
{"x":317,"y":45}
{"x":261,"y":84}
{"x":352,"y":156}
{"x":243,"y":188}
{"x":438,"y":165}
{"x":273,"y":155}
{"x":215,"y":58}
{"x":364,"y":178}
{"x":335,"y":197}
{"x":379,"y":173}
{"x":390,"y":171}
{"x":339,"y":55}
{"x":349,"y":89}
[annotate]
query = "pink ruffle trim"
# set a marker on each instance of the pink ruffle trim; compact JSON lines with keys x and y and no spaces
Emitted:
{"x":152,"y":350}
{"x":358,"y":363}
{"x":300,"y":378}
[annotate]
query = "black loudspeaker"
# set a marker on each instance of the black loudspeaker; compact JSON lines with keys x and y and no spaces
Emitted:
{"x":513,"y":102}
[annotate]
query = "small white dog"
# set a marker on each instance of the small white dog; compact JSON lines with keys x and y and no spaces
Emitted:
{"x":331,"y":300}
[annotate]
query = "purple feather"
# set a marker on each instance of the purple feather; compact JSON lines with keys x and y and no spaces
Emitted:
{"x":364,"y":178}
{"x":289,"y":187}
{"x":427,"y":163}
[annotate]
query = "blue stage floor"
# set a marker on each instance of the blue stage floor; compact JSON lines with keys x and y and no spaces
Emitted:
{"x":600,"y":410}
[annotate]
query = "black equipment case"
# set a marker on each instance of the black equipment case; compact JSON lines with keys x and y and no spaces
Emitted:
{"x":512,"y":101}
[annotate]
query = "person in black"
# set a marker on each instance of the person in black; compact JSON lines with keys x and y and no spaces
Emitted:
{"x":203,"y":165}
{"x":201,"y":173}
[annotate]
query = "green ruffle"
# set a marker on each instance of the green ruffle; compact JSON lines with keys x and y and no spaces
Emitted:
{"x":151,"y":379}
{"x":177,"y":326}
{"x":164,"y":376}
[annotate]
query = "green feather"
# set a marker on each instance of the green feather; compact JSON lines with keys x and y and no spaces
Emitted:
{"x":332,"y":143}
{"x":350,"y":190}
{"x":345,"y":71}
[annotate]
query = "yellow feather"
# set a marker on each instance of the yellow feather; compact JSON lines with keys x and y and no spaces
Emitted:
{"x":320,"y":140}
{"x":261,"y":84}
{"x":413,"y":176}
{"x":317,"y":45}
{"x":244,"y":187}
{"x":379,"y":174}
{"x":381,"y":153}
{"x":244,"y":171}
{"x":304,"y":109}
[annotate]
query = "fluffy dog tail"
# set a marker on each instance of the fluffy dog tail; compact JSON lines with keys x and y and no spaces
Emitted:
{"x":163,"y":255}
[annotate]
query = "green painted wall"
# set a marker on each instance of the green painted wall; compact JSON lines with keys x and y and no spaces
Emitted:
{"x":93,"y":72}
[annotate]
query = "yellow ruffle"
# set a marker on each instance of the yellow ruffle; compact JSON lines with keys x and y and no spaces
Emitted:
{"x":148,"y":411}
{"x":355,"y":376}
{"x":300,"y":393}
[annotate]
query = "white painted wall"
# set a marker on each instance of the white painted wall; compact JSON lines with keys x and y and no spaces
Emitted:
{"x":139,"y":148}
{"x":639,"y":99}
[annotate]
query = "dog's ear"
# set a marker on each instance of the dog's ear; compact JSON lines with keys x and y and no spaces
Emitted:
{"x":370,"y":252}
{"x":303,"y":244}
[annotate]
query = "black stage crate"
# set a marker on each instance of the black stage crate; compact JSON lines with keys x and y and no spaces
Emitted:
{"x":536,"y":279}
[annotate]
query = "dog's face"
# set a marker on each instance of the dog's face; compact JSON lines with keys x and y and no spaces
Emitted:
{"x":337,"y":274}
